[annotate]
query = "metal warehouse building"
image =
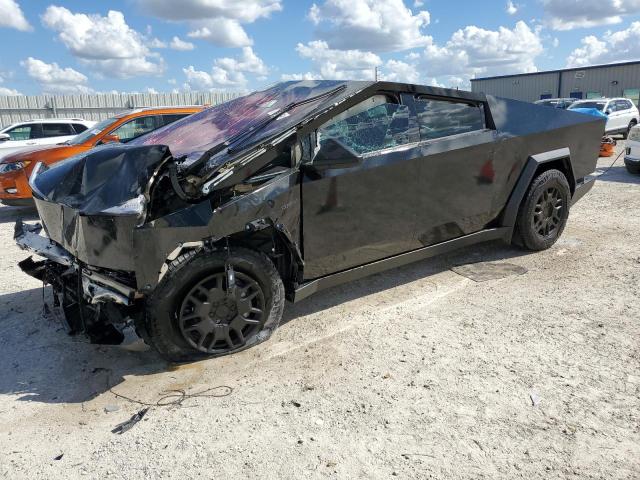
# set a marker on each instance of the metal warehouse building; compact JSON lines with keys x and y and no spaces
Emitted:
{"x":613,"y":80}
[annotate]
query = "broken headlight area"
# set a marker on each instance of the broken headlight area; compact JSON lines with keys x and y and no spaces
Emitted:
{"x":87,"y":300}
{"x":111,"y":180}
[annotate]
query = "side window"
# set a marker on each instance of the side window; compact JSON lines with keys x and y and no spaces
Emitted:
{"x":167,"y":119}
{"x":440,"y":118}
{"x":134,"y":128}
{"x":56,"y":130}
{"x":623,"y":105}
{"x":375,"y":124}
{"x":79,"y":128}
{"x":21,"y":132}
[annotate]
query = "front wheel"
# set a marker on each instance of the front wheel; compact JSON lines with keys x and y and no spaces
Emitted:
{"x":544,"y":211}
{"x":212,"y":303}
{"x":633,"y":170}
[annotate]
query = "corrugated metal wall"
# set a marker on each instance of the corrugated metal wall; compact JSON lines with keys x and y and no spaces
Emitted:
{"x":97,"y":107}
{"x":522,"y":87}
{"x":606,"y":81}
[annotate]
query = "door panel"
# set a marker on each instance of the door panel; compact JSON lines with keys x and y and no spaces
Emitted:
{"x":457,"y":183}
{"x":457,"y":186}
{"x":358,"y":215}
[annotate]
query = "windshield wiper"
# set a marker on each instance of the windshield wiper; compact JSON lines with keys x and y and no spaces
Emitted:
{"x":252,"y":130}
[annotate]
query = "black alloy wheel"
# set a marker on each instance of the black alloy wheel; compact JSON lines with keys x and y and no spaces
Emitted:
{"x":544,"y":211}
{"x":214,"y":318}
{"x":212,"y":303}
{"x":548,"y":212}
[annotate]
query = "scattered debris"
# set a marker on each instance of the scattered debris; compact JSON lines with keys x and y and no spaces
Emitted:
{"x":59,"y":457}
{"x":535,"y":399}
{"x":111,"y":408}
{"x":485,"y":271}
{"x":386,"y":375}
{"x":128,"y":425}
{"x":296,"y":404}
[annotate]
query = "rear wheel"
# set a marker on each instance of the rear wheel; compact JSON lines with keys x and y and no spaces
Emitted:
{"x":214,"y":303}
{"x":633,"y":169}
{"x":544,"y":211}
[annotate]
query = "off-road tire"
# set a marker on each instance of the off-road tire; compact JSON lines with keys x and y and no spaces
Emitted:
{"x":531,"y":229}
{"x":163,"y":306}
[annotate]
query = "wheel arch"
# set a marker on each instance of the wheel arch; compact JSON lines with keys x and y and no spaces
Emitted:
{"x":559,"y":159}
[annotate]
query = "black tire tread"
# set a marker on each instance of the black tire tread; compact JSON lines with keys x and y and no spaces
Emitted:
{"x":154,"y":321}
{"x":524,"y":235}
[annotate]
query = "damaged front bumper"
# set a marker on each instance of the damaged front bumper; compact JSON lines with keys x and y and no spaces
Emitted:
{"x":96,"y":287}
{"x":87,"y":301}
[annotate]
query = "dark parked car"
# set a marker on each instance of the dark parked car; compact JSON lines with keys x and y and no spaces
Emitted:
{"x":197,"y":232}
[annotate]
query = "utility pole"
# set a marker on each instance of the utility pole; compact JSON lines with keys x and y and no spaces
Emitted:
{"x":375,"y":70}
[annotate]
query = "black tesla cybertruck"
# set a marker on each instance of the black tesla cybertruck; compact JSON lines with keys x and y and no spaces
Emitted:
{"x":198,"y":232}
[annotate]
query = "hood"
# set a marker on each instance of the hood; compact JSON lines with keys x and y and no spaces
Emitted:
{"x":218,"y":133}
{"x":33,"y":154}
{"x":101,"y":180}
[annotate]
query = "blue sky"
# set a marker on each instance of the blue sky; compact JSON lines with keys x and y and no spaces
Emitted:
{"x":74,"y":46}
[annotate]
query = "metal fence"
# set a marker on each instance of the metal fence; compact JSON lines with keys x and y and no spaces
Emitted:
{"x":97,"y":107}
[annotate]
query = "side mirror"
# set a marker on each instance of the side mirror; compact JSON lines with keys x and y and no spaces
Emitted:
{"x":110,"y":139}
{"x":334,"y":154}
{"x":607,"y":111}
{"x":4,"y":137}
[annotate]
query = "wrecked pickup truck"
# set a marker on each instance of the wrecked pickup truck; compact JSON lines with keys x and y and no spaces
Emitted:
{"x":198,"y":232}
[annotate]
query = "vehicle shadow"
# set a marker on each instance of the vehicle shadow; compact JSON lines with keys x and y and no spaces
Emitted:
{"x":617,"y":174}
{"x":42,"y":363}
{"x":485,"y":252}
{"x":11,"y":214}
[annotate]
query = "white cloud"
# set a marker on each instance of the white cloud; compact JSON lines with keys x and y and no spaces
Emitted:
{"x":512,"y":9}
{"x":398,"y":71}
{"x":475,"y":51}
{"x":226,"y":72}
{"x":568,"y":15}
{"x":151,"y":90}
{"x":181,"y":45}
{"x":156,"y":43}
{"x":611,"y":47}
{"x":107,"y":44}
{"x":339,"y":64}
{"x":373,"y":25}
{"x":12,"y":16}
{"x":217,"y":21}
{"x":9,"y":92}
{"x":285,"y":77}
{"x":54,"y":79}
{"x":224,"y":32}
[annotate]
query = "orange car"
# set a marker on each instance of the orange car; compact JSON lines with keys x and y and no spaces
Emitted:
{"x":15,"y":169}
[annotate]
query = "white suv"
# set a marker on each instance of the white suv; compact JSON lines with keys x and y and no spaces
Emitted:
{"x":621,"y":113}
{"x":32,"y":133}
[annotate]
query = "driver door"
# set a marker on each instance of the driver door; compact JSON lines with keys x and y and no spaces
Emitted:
{"x":357,"y":212}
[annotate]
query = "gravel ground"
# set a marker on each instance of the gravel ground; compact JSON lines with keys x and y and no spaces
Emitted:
{"x":416,"y":373}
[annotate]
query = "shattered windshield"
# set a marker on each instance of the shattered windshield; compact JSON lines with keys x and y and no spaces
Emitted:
{"x":195,"y":135}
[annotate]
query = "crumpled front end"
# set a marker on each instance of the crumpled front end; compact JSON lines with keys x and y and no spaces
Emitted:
{"x":90,"y":206}
{"x":86,"y":300}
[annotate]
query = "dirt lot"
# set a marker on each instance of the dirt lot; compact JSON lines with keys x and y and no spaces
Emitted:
{"x":416,"y":373}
